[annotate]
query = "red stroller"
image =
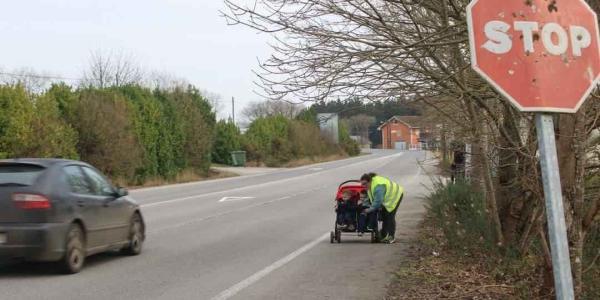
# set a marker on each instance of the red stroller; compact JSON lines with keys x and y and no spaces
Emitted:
{"x":355,"y":189}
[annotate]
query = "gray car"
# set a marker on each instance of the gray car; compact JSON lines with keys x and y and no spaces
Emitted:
{"x":64,"y":210}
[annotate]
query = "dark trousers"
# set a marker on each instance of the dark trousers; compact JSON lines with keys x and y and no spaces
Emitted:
{"x":388,"y":226}
{"x":367,"y":220}
{"x":346,"y":213}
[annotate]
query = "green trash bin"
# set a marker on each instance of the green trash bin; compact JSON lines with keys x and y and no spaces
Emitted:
{"x":238,"y":158}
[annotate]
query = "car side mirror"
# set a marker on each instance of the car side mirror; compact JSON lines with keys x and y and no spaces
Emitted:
{"x":121,"y":192}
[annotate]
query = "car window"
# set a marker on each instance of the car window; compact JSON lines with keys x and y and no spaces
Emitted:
{"x":77,"y":180}
{"x":19,"y":174}
{"x":100,"y":186}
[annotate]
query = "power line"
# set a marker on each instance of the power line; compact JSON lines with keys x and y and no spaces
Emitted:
{"x":24,"y":75}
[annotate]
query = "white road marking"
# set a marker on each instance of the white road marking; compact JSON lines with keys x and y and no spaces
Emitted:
{"x":228,"y":199}
{"x":316,"y":169}
{"x":266,"y":183}
{"x":235,"y":289}
{"x":212,"y":181}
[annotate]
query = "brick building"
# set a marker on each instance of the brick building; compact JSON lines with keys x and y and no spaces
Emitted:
{"x":401,"y":132}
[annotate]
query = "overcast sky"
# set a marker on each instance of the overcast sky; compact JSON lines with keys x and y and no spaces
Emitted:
{"x":186,"y":38}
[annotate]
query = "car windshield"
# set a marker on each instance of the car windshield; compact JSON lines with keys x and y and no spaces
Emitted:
{"x":19,"y":174}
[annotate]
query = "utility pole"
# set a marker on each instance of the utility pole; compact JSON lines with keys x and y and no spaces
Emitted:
{"x":233,"y":109}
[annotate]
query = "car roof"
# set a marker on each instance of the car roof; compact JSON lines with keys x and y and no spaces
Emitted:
{"x":45,"y":162}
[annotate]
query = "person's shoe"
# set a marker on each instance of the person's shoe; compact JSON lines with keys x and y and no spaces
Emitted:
{"x":341,"y":226}
{"x":386,"y":239}
{"x":351,"y":227}
{"x":391,"y":241}
{"x":360,"y":234}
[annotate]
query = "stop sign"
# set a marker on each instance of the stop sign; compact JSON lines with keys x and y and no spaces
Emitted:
{"x":542,"y":55}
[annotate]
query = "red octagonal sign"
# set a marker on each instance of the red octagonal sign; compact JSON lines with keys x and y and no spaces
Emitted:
{"x":542,"y":55}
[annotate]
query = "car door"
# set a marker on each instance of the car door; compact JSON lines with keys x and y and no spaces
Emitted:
{"x":85,"y":205}
{"x":114,"y":211}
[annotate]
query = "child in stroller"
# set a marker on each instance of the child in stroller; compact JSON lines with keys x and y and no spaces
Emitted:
{"x":346,"y":210}
{"x":351,"y":199}
{"x":367,"y":222}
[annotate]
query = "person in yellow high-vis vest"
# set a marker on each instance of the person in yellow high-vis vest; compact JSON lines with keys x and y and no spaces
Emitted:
{"x":385,"y":195}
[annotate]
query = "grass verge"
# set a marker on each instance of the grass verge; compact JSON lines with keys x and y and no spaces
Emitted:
{"x":298,"y":162}
{"x":184,"y":177}
{"x":454,"y":256}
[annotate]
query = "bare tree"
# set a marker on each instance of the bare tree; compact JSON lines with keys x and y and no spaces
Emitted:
{"x":108,"y":69}
{"x":359,"y":125}
{"x":164,"y":80}
{"x":378,"y":49}
{"x":35,"y":82}
{"x":255,"y":110}
{"x":126,"y":70}
{"x":215,"y":100}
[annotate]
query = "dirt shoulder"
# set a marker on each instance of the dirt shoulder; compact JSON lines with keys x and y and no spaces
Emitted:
{"x":428,"y":271}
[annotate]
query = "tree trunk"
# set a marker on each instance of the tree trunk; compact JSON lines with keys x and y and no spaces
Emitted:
{"x":548,"y":274}
{"x":486,"y":168}
{"x":577,"y":232}
{"x":444,"y":142}
{"x":510,"y":194}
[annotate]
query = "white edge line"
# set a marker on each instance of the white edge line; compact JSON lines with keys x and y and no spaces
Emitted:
{"x":235,"y":289}
{"x":282,"y":170}
{"x":264,"y":183}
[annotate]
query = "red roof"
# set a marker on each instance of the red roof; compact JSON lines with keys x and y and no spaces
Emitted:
{"x":410,"y":121}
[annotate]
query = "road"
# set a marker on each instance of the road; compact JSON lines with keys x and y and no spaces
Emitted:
{"x":271,"y":242}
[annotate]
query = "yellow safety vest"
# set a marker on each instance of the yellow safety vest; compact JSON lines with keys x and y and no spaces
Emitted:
{"x":393,"y":192}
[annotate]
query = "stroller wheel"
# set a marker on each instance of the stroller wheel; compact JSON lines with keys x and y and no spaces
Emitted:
{"x":373,"y":237}
{"x":338,"y":236}
{"x":331,"y":237}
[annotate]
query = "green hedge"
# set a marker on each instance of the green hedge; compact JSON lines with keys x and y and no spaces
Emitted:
{"x":33,"y":127}
{"x":134,"y":133}
{"x":131,"y":133}
{"x":228,"y":138}
{"x":277,"y":140}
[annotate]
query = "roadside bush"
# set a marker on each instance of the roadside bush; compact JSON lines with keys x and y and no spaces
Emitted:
{"x":227,"y":139}
{"x":65,"y":97}
{"x":103,"y":120}
{"x":267,"y":140}
{"x":277,"y":140}
{"x":16,"y":116}
{"x":154,"y":131}
{"x":308,"y":115}
{"x":52,"y":136}
{"x":350,"y":146}
{"x":198,"y":124}
{"x":32,"y":126}
{"x":459,"y":210}
{"x":307,"y":141}
{"x":175,"y":129}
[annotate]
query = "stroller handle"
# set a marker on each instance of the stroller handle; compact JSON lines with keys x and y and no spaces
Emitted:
{"x":349,"y":181}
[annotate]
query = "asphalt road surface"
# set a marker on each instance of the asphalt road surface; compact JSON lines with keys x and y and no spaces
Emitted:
{"x":255,"y":237}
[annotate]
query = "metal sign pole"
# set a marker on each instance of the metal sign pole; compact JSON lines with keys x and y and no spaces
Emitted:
{"x":557,"y":228}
